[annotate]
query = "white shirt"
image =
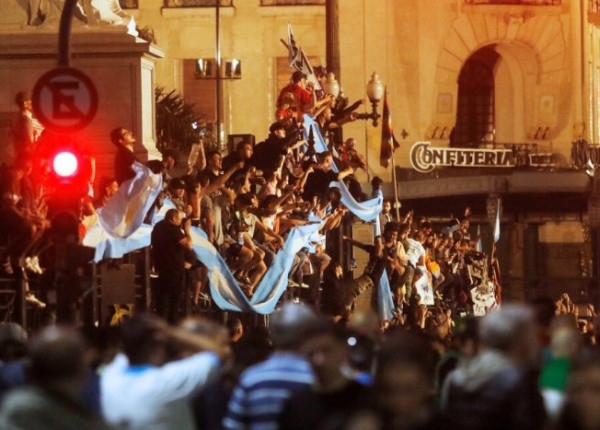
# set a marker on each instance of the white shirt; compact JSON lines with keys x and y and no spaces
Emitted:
{"x":154,"y":398}
{"x":414,"y":252}
{"x":250,"y":220}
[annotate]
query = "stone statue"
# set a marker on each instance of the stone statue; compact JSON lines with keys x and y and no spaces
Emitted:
{"x":44,"y":11}
{"x":90,"y":12}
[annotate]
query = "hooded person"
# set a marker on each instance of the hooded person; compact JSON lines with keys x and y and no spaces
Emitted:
{"x":498,"y":388}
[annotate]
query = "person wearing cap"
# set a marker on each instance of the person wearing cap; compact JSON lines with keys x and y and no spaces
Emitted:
{"x":268,"y":154}
{"x":176,"y":192}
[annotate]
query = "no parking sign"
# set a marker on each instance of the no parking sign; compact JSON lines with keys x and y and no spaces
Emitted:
{"x":65,"y":100}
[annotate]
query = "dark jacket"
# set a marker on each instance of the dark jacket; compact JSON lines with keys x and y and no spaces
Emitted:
{"x":491,"y":393}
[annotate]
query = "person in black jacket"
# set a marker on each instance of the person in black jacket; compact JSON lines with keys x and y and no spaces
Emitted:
{"x":402,"y":387}
{"x":334,"y":297}
{"x":169,"y":244}
{"x":498,"y":388}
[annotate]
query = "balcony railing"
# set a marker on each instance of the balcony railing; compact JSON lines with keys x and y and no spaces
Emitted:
{"x":196,"y":3}
{"x":292,"y":2}
{"x":516,"y":2}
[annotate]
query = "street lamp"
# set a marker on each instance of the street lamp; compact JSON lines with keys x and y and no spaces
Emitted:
{"x":375,"y":91}
{"x":331,"y":85}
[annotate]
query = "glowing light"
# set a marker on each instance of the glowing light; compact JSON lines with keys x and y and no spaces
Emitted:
{"x":65,"y":164}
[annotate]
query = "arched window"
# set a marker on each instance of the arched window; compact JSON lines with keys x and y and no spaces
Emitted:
{"x":475,"y":115}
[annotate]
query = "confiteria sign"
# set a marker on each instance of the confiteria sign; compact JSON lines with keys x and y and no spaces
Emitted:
{"x":424,"y":158}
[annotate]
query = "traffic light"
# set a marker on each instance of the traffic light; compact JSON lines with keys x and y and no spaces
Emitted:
{"x":65,"y":164}
{"x":67,"y":177}
{"x":69,"y":170}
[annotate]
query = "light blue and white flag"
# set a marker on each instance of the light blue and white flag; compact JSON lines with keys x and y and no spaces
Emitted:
{"x":224,"y":288}
{"x":478,"y":244}
{"x":497,"y":223}
{"x":385,"y":301}
{"x":368,"y":210}
{"x":274,"y":282}
{"x":125,"y":211}
{"x":120,"y":229}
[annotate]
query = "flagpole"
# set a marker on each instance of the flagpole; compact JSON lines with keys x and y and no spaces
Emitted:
{"x":395,"y":185}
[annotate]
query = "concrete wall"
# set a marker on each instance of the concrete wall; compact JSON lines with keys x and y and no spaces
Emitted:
{"x":120,"y":66}
{"x":249,"y":33}
{"x":419,"y":50}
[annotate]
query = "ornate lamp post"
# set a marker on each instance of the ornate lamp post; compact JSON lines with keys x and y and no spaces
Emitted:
{"x":331,"y":85}
{"x":375,"y":91}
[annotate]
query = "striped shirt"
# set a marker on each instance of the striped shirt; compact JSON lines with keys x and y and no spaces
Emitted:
{"x":258,"y":399}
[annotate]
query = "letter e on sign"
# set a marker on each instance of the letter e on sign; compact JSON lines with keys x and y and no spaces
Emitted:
{"x":65,"y":100}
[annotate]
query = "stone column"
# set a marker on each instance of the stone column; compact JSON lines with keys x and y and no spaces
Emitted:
{"x":332,"y":30}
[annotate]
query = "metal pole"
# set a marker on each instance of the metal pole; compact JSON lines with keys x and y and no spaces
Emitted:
{"x":64,"y":33}
{"x":395,"y":185}
{"x":218,"y":80}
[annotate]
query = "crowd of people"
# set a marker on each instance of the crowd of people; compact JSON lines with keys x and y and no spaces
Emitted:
{"x":324,"y":361}
{"x":518,"y":367}
{"x":247,"y":202}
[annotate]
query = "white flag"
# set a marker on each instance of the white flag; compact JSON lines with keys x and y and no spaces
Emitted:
{"x":298,"y":61}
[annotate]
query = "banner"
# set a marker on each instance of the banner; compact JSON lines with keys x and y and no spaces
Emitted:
{"x":425,"y":158}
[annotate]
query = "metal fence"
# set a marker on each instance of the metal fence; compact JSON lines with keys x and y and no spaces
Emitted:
{"x":519,"y":2}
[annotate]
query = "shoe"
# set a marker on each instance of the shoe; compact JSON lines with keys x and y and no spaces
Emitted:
{"x":153,"y":274}
{"x":33,"y":300}
{"x":296,"y":300}
{"x":292,"y":284}
{"x":303,"y":285}
{"x":33,"y":265}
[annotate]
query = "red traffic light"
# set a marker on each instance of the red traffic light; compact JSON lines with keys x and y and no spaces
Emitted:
{"x":67,"y":170}
{"x":65,"y":164}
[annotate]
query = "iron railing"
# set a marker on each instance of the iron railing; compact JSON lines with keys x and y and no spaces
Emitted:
{"x":516,"y":2}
